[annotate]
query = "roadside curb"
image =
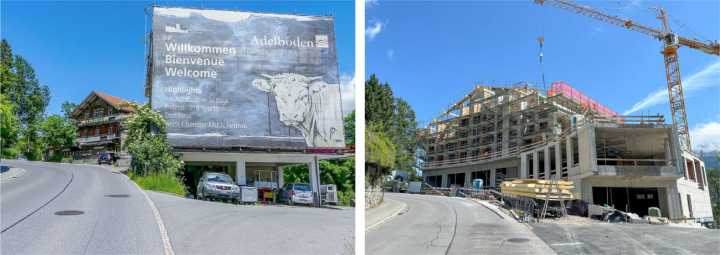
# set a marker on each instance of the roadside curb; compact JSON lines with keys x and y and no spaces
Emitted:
{"x":168,"y":193}
{"x":18,"y":174}
{"x":387,"y":219}
{"x":158,"y":219}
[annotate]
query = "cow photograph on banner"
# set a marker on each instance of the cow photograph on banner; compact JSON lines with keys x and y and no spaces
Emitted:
{"x":225,"y":78}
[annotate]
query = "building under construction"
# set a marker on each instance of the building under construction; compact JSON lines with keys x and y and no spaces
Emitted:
{"x":503,"y":131}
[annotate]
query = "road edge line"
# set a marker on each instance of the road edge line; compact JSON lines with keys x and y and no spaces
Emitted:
{"x":387,"y":219}
{"x":156,"y":213}
{"x":22,"y":171}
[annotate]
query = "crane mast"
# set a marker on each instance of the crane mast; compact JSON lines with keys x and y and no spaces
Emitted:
{"x":671,"y":42}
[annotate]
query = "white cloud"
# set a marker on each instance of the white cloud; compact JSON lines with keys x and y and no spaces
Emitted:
{"x":708,"y":77}
{"x":370,"y":3}
{"x":374,"y":29}
{"x":347,"y":88}
{"x":706,"y":137}
{"x":390,"y":54}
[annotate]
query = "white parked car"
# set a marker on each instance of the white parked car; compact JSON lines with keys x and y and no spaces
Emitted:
{"x":217,"y":186}
{"x":296,"y":193}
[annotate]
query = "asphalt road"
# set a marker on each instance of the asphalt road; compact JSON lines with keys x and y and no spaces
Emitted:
{"x":623,"y":238}
{"x":448,"y":225}
{"x":204,"y":227}
{"x":29,"y":203}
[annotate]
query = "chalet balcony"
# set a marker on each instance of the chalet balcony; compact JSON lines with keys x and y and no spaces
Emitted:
{"x":96,"y":139}
{"x":100,"y":120}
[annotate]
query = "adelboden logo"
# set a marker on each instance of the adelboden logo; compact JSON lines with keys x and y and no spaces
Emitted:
{"x":321,"y":41}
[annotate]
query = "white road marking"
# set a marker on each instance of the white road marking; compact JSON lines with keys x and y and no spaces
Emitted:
{"x":387,"y":219}
{"x":562,"y":244}
{"x":161,"y":225}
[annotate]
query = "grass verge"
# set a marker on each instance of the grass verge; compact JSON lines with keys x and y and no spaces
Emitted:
{"x":159,"y":182}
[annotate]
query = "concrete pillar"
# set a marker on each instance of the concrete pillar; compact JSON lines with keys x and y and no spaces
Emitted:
{"x":444,"y":181}
{"x":468,"y":181}
{"x":684,"y":166}
{"x":558,"y":159}
{"x":491,"y":179}
{"x":546,"y":155}
{"x":523,"y":166}
{"x":668,"y":155}
{"x":240,"y":177}
{"x":314,"y":169}
{"x":535,"y":166}
{"x":569,"y":153}
{"x":280,"y":176}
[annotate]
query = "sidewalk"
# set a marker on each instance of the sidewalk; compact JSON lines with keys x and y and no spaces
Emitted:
{"x":8,"y":172}
{"x":385,"y":210}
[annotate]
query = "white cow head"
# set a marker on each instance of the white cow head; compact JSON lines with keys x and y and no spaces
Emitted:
{"x":292,"y":94}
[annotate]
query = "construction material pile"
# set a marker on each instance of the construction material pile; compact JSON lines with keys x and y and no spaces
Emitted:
{"x":538,"y":189}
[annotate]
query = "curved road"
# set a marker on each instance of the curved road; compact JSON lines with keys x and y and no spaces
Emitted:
{"x":108,"y":224}
{"x":449,"y":225}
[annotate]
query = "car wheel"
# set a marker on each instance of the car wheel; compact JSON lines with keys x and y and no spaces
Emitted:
{"x":290,"y":202}
{"x":323,"y":202}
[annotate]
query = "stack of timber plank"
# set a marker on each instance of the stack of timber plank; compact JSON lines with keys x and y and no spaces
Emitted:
{"x":534,"y":188}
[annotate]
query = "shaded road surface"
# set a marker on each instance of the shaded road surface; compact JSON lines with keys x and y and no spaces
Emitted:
{"x":448,"y":225}
{"x":109,"y":224}
{"x":203,"y":227}
{"x":622,"y":238}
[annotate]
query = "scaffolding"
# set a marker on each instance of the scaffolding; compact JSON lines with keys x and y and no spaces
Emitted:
{"x":497,"y":120}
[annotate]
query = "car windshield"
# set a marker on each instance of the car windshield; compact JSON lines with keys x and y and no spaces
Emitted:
{"x":219,"y":178}
{"x":302,"y":187}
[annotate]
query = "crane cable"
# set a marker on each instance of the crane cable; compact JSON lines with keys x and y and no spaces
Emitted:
{"x":541,"y":38}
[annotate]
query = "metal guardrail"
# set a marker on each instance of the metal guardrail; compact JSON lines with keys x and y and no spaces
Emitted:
{"x":635,"y":161}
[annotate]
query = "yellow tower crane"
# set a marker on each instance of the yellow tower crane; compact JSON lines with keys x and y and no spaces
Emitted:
{"x":671,"y":42}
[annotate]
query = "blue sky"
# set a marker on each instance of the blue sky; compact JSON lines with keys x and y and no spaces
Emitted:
{"x":431,"y":52}
{"x":81,"y":46}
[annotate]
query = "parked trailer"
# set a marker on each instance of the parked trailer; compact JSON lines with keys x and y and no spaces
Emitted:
{"x":328,"y":194}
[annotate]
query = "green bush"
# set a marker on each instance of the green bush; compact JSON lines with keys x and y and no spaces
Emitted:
{"x":159,"y":182}
{"x":67,"y":160}
{"x":345,"y":197}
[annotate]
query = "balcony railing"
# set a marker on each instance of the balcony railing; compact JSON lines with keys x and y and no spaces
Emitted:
{"x":96,"y":138}
{"x":100,"y":120}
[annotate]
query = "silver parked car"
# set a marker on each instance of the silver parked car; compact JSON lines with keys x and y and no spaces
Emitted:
{"x":297,"y":193}
{"x":217,"y":186}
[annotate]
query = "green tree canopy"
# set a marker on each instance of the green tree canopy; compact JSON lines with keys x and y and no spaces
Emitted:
{"x":146,"y":141}
{"x":68,"y":108}
{"x":349,"y":122}
{"x":379,"y":102}
{"x":390,"y":118}
{"x":8,"y":128}
{"x":26,"y":99}
{"x":58,"y":132}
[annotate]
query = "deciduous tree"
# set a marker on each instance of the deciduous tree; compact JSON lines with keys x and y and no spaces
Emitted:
{"x":146,"y":141}
{"x":58,"y":132}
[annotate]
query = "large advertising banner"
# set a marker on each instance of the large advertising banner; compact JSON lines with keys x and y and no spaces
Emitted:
{"x":243,"y":79}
